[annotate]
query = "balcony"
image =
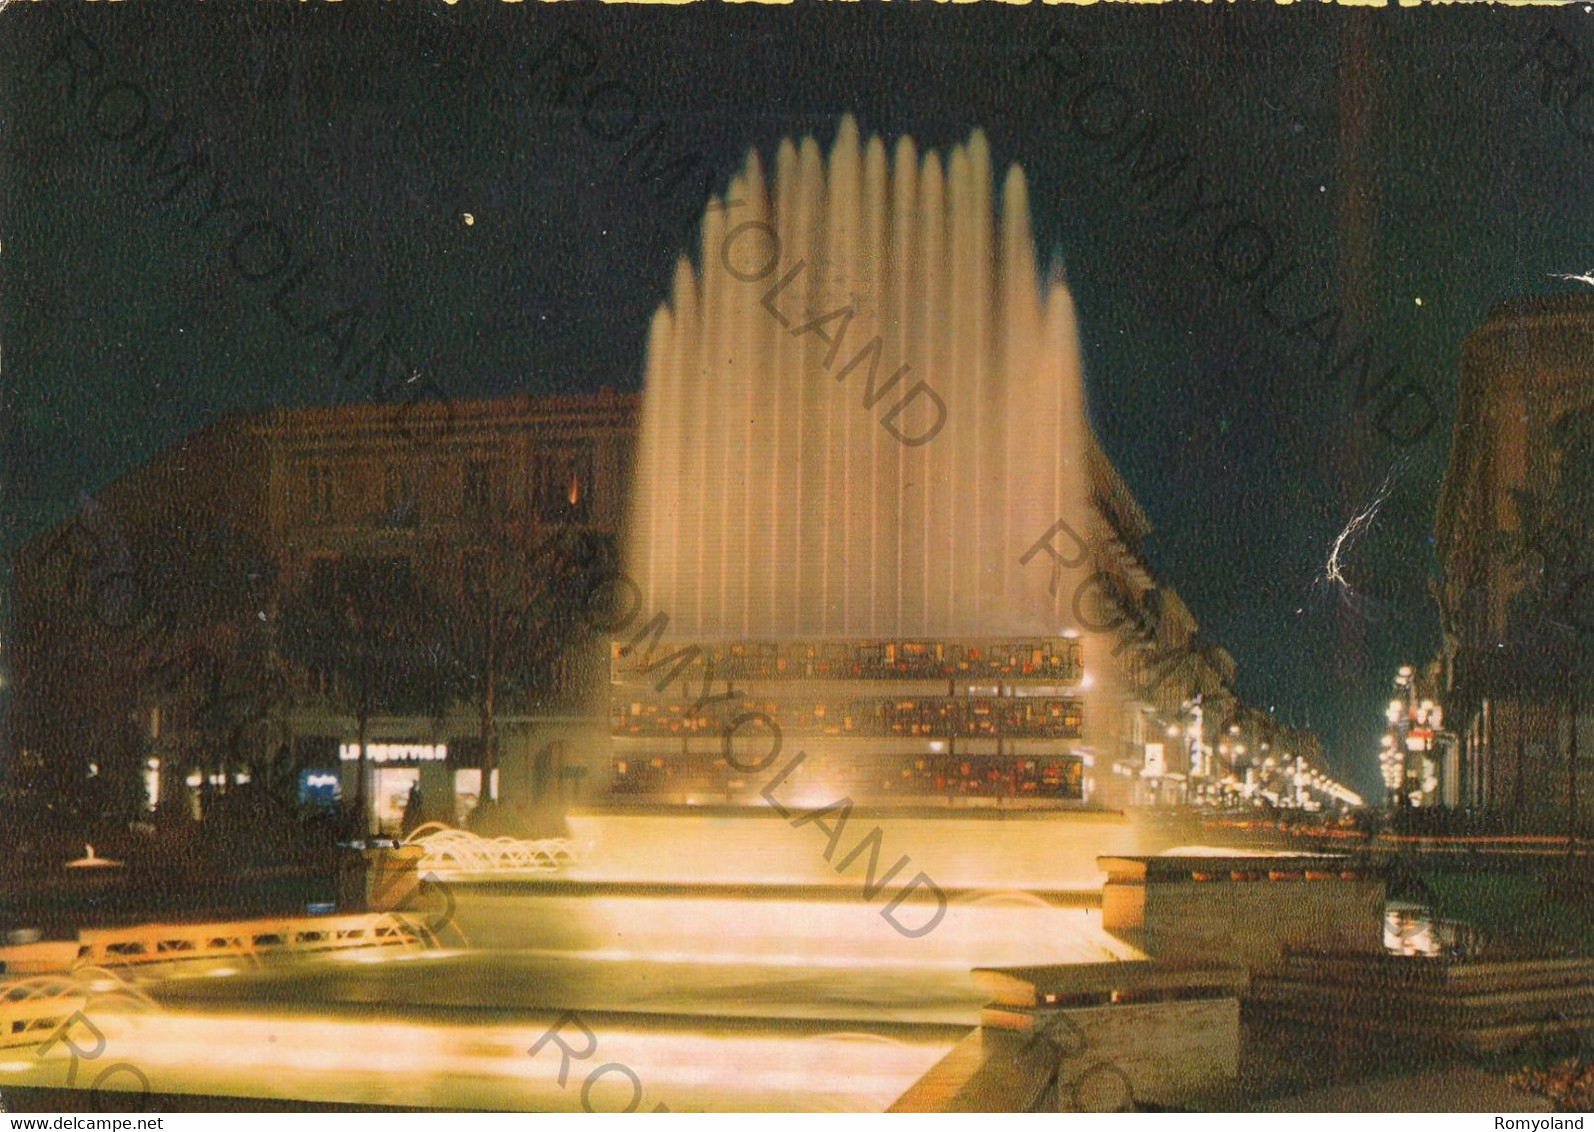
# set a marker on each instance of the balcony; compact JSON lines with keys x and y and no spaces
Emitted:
{"x":929,"y":717}
{"x":1055,"y":660}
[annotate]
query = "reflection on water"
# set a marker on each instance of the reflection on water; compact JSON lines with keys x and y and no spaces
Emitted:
{"x":712,"y":989}
{"x":1413,"y":929}
{"x":432,"y":1064}
{"x":718,"y":1003}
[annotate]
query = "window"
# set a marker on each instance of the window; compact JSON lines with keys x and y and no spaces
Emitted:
{"x":319,"y":478}
{"x":478,"y":497}
{"x":395,"y":574}
{"x":563,"y":486}
{"x":323,"y":570}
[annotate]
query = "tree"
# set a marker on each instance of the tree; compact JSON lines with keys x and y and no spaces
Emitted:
{"x":523,"y":630}
{"x":162,"y":633}
{"x":206,"y":648}
{"x":372,"y":633}
{"x":225,"y":705}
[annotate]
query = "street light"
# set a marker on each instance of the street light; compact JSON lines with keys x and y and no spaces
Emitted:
{"x":1391,"y":763}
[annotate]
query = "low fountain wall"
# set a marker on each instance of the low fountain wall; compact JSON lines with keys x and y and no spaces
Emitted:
{"x":1247,"y":909}
{"x":1103,"y":1037}
{"x":976,"y":850}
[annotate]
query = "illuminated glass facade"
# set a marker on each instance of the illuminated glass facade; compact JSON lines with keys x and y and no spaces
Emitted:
{"x":883,"y":720}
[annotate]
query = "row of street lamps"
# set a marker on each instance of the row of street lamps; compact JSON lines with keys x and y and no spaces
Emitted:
{"x":1282,"y":779}
{"x":1406,"y":753}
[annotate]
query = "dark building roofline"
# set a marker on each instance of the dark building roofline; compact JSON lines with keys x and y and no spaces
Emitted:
{"x":251,"y":425}
{"x":1540,"y":306}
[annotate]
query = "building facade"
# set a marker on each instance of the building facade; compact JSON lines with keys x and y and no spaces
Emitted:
{"x":1134,"y":709}
{"x":1514,"y":532}
{"x":145,"y":624}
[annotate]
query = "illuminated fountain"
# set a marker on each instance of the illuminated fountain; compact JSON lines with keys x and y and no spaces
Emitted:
{"x":446,"y":850}
{"x":771,"y":501}
{"x":864,"y":402}
{"x":862,"y":405}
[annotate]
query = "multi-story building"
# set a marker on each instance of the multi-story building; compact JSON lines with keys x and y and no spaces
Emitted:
{"x":1166,"y":685}
{"x":1418,"y":757}
{"x":1129,"y":713}
{"x":1514,"y":528}
{"x":136,"y":620}
{"x":876,"y":719}
{"x":1169,"y":721}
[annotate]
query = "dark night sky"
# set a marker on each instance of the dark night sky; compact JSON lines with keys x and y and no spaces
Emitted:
{"x":1419,"y":163}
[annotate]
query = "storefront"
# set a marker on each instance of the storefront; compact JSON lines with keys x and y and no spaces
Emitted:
{"x":396,"y":774}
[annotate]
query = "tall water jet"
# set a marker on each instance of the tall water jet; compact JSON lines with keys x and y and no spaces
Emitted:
{"x":862,"y":404}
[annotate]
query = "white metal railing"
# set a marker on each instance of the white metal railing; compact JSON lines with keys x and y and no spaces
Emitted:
{"x":446,"y":849}
{"x":33,"y":1008}
{"x":253,"y":940}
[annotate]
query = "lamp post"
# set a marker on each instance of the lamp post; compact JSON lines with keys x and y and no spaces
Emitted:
{"x":1197,"y":757}
{"x":1390,"y":759}
{"x":1406,"y":758}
